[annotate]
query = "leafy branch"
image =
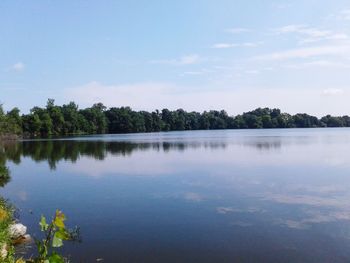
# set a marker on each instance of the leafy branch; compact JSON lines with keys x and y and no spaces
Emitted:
{"x":55,"y":232}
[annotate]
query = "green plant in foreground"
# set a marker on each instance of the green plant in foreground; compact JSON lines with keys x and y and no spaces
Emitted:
{"x":55,"y":232}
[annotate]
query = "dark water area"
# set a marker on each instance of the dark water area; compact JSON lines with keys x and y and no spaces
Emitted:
{"x":201,"y":196}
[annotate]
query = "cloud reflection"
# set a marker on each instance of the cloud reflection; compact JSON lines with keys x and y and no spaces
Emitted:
{"x":226,"y":210}
{"x":194,"y":197}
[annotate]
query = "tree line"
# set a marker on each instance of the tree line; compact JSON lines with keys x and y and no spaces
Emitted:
{"x":54,"y":120}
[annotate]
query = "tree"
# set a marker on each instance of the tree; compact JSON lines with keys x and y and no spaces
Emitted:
{"x":96,"y":121}
{"x":31,"y":124}
{"x":14,"y":118}
{"x":71,"y":117}
{"x":167,"y":119}
{"x":331,"y":121}
{"x":266,"y":121}
{"x":56,"y":116}
{"x":252,"y":121}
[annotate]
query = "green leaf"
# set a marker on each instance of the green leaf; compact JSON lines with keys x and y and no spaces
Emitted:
{"x":44,"y":226}
{"x":42,"y":249}
{"x":59,"y":219}
{"x":63,"y":234}
{"x":54,"y":258}
{"x":56,"y":241}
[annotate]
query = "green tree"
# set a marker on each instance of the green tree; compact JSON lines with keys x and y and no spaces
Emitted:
{"x":56,"y":116}
{"x":266,"y":121}
{"x":71,"y":117}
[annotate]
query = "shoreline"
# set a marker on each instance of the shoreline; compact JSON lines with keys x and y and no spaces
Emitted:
{"x":9,"y":137}
{"x":14,"y":137}
{"x":7,"y":248}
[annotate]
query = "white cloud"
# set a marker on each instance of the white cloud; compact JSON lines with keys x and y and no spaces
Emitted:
{"x":308,"y":34}
{"x":191,"y":59}
{"x":282,"y":5}
{"x":198,"y":72}
{"x":19,"y":66}
{"x":343,"y":15}
{"x":193,"y":73}
{"x":237,"y":30}
{"x":251,"y":44}
{"x":338,"y":36}
{"x":184,"y":60}
{"x":140,"y":94}
{"x":224,"y":45}
{"x":302,"y":29}
{"x":252,"y":71}
{"x":332,"y":92}
{"x":233,"y":45}
{"x":307,"y":52}
{"x":320,"y":64}
{"x":151,"y":96}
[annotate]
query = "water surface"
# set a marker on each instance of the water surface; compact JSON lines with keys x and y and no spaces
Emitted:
{"x":199,"y":196}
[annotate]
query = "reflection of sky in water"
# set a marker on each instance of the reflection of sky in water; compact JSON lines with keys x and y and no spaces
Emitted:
{"x":217,"y":196}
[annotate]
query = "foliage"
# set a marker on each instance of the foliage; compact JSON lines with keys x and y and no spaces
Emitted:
{"x":54,"y":120}
{"x":4,"y":175}
{"x":6,"y":219}
{"x":55,"y":232}
{"x":10,"y":123}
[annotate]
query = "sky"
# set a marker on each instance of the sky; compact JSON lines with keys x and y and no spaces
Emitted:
{"x":191,"y":54}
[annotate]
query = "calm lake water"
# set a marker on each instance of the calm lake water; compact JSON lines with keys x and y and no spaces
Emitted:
{"x":199,"y":196}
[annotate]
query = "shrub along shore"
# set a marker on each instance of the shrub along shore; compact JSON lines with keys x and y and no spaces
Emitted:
{"x":68,"y":119}
{"x":6,"y":245}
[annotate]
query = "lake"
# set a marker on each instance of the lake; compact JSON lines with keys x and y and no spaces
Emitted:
{"x":197,"y":196}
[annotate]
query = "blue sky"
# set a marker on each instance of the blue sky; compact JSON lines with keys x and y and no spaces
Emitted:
{"x":196,"y":55}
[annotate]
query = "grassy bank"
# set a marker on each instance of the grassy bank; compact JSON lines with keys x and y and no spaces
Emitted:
{"x":6,"y":219}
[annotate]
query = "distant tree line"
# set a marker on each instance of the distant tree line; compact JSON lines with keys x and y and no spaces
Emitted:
{"x":54,"y":120}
